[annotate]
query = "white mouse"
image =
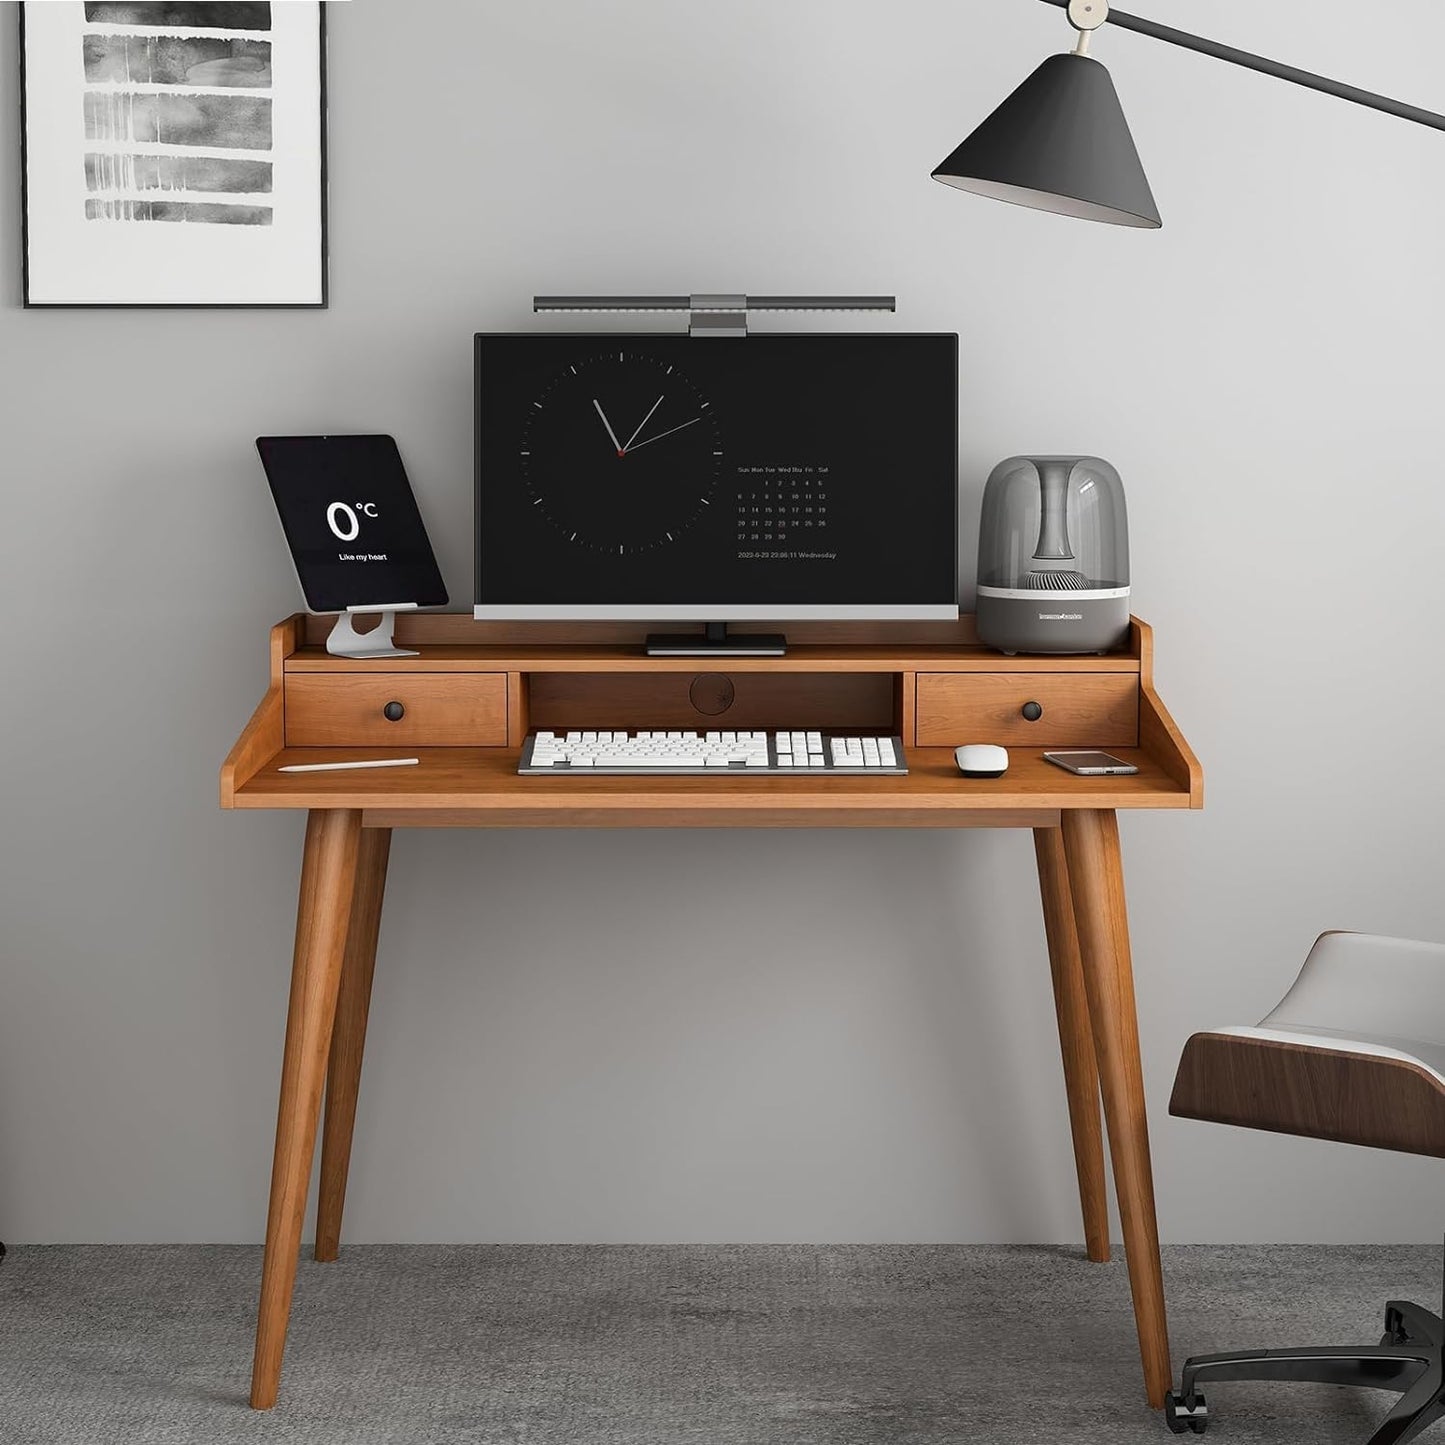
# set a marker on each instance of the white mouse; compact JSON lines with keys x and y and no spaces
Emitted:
{"x":981,"y":760}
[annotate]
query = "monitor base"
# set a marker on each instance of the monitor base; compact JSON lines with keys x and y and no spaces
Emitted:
{"x":715,"y":641}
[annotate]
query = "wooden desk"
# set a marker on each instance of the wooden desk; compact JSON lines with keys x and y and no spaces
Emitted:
{"x":467,"y":703}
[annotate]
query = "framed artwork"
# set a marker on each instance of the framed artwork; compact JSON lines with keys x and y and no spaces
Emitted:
{"x":173,"y":154}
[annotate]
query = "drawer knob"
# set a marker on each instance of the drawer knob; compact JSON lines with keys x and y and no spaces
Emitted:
{"x":393,"y":712}
{"x":1032,"y":711}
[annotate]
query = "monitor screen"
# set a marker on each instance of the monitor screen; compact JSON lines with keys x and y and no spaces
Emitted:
{"x":712,"y":478}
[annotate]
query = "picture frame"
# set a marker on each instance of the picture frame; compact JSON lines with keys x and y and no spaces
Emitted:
{"x":166,"y":162}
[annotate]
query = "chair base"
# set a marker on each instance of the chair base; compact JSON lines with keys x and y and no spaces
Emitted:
{"x":1408,"y":1359}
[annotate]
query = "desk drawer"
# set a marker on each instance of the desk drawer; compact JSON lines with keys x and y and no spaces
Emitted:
{"x":437,"y":710}
{"x":1082,"y":709}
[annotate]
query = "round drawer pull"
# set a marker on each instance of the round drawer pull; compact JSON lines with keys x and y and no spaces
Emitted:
{"x":393,"y":712}
{"x":1032,"y":711}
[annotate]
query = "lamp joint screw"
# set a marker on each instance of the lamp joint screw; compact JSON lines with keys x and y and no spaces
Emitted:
{"x":1088,"y":14}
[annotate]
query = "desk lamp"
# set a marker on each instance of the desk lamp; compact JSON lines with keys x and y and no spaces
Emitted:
{"x":1060,"y":141}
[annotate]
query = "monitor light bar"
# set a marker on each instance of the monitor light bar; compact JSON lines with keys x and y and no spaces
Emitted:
{"x":714,"y":303}
{"x":712,"y":314}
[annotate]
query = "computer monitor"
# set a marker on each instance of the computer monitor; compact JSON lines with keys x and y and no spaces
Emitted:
{"x":717,"y":479}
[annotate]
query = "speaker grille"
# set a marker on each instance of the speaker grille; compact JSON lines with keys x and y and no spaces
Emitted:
{"x":1055,"y":581}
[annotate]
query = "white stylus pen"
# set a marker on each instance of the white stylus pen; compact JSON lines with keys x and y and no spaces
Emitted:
{"x":337,"y":767}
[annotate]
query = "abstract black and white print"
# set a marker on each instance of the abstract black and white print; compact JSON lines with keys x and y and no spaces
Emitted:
{"x":186,"y":82}
{"x":174,"y":152}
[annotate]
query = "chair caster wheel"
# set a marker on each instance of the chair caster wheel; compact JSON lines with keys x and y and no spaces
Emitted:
{"x":1187,"y":1415}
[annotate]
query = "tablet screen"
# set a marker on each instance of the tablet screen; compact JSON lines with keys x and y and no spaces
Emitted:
{"x":351,"y":521}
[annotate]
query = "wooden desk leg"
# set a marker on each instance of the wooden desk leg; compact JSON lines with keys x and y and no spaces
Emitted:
{"x":348,"y":1037}
{"x":328,"y":875}
{"x":1096,"y":877}
{"x":1076,"y":1042}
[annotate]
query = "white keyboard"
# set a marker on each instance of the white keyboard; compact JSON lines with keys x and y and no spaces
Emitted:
{"x":713,"y":754}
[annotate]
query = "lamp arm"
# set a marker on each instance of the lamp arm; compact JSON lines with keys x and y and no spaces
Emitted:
{"x":1275,"y":68}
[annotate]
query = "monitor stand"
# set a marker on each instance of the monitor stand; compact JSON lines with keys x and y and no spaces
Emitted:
{"x":714,"y":641}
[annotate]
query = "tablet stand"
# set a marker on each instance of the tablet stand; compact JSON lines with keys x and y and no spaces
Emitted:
{"x":346,"y":641}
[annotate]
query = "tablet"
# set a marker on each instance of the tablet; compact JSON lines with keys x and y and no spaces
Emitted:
{"x":352,"y":522}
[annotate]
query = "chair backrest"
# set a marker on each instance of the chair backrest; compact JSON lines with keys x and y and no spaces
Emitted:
{"x":1362,"y":984}
{"x":1352,"y":1053}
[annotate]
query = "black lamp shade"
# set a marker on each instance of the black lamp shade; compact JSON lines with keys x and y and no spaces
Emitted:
{"x":1058,"y":143}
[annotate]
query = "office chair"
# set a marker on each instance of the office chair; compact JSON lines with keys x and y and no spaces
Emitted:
{"x":1354,"y":1052}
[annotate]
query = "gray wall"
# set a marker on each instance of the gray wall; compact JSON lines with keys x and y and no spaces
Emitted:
{"x":589,"y":1036}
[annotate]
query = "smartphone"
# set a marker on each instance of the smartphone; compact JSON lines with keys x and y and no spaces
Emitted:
{"x":1090,"y":765}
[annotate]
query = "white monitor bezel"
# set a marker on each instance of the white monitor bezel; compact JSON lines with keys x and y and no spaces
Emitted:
{"x":718,"y":612}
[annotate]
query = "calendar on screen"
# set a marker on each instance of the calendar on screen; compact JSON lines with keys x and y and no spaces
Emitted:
{"x":781,"y":509}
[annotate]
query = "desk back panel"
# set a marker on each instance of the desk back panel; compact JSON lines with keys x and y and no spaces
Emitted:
{"x":706,"y":700}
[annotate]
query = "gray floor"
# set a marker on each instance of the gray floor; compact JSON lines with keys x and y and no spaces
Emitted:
{"x":715,"y":1345}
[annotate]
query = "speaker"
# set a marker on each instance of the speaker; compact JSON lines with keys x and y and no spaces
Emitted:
{"x":1053,"y":557}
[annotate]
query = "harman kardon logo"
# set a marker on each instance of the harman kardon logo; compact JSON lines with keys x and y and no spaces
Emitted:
{"x":1061,"y":616}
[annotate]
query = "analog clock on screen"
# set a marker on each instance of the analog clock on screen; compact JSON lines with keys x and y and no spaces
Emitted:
{"x":621,"y":452}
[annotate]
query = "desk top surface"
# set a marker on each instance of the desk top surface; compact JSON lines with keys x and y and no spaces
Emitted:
{"x":484,"y":781}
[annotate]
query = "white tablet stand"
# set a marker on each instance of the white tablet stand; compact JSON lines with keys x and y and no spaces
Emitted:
{"x":346,"y":641}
